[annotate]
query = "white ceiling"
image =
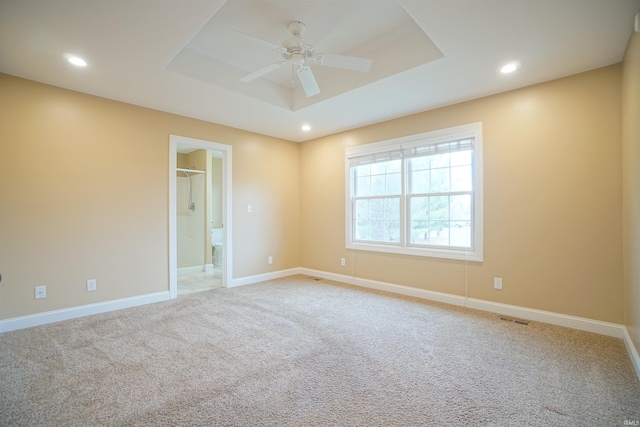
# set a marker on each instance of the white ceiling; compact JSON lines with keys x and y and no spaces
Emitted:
{"x":242,"y":37}
{"x":133,"y":46}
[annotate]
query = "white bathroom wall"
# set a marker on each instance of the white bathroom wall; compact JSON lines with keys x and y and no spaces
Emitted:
{"x":216,"y":192}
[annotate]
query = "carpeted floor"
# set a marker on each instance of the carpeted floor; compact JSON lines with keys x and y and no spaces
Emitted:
{"x":301,"y":352}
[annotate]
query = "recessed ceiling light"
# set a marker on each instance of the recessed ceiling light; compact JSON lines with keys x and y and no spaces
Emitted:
{"x":77,"y":61}
{"x":509,"y":68}
{"x":306,"y":128}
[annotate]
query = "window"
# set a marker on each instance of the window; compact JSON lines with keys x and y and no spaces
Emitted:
{"x":419,"y":195}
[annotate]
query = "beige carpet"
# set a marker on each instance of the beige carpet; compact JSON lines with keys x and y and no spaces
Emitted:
{"x":300,"y":352}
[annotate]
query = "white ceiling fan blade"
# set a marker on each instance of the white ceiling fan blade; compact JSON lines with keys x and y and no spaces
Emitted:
{"x":261,"y":72}
{"x":308,"y":81}
{"x":347,"y":62}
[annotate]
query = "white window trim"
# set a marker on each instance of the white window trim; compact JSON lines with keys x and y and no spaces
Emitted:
{"x":443,"y":135}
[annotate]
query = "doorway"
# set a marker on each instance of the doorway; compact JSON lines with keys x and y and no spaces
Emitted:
{"x":200,"y":231}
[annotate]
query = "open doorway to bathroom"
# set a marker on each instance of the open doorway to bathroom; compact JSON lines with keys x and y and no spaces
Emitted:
{"x":200,"y":225}
{"x":199,"y":219}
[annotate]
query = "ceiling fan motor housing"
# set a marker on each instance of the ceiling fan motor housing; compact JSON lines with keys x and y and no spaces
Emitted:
{"x":294,"y":48}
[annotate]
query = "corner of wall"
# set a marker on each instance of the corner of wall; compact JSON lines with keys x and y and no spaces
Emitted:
{"x":631,"y":191}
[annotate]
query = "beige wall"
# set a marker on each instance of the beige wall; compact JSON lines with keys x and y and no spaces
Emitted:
{"x":631,"y":186}
{"x":552,"y":199}
{"x":84,"y":194}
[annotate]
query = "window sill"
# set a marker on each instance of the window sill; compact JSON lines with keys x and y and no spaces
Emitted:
{"x":413,"y":251}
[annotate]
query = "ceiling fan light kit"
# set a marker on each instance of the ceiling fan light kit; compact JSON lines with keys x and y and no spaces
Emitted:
{"x":298,"y":53}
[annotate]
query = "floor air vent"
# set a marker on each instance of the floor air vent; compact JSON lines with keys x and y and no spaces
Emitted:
{"x":518,"y":321}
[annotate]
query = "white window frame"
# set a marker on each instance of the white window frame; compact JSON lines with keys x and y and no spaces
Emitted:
{"x":475,"y":253}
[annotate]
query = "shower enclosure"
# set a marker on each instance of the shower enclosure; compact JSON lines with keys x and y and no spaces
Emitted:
{"x":198,"y":211}
{"x":191,"y":217}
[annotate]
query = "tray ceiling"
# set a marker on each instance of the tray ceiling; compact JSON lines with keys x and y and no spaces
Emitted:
{"x":185,"y":57}
{"x":230,"y":45}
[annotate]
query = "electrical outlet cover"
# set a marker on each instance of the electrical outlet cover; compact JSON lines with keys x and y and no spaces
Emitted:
{"x":40,"y":292}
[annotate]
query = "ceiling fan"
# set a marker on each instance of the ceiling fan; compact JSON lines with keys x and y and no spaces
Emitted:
{"x":299,"y":53}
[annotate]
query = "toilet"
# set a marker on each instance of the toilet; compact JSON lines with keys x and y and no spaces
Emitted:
{"x":216,"y":243}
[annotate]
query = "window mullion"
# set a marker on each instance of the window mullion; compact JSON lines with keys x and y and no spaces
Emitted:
{"x":404,"y":227}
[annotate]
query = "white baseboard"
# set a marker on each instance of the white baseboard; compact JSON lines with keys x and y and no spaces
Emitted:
{"x":241,"y":281}
{"x":633,"y":351}
{"x":185,"y":271}
{"x":580,"y":323}
{"x":389,"y":287}
{"x":38,"y":319}
{"x":574,"y":322}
